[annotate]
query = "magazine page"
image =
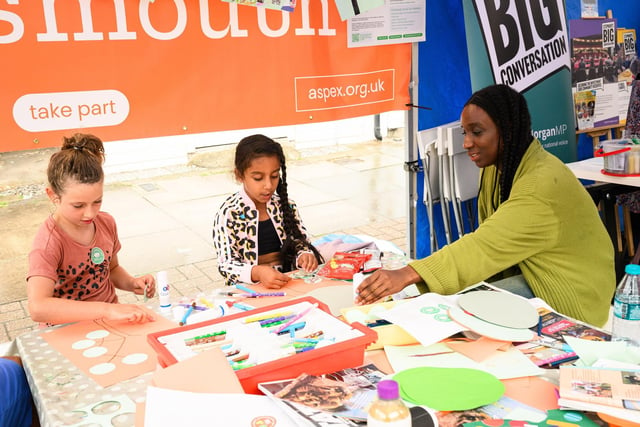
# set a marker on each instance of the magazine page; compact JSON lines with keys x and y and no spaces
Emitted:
{"x":504,"y":408}
{"x":546,"y":355}
{"x":343,"y":394}
{"x":555,"y":325}
{"x":610,"y":387}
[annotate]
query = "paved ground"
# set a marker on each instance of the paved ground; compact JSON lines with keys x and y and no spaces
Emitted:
{"x":164,"y":215}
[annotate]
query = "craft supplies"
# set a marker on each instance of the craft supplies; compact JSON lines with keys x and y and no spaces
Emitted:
{"x":187,"y":314}
{"x":343,"y":265}
{"x":621,"y":157}
{"x":240,"y":306}
{"x":244,"y":288}
{"x":320,"y":342}
{"x":162,"y":282}
{"x":296,"y":318}
{"x":263,"y":294}
{"x":271,"y":316}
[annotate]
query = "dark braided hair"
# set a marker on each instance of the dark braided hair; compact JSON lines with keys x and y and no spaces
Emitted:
{"x":252,"y":147}
{"x":80,"y":158}
{"x":508,"y":110}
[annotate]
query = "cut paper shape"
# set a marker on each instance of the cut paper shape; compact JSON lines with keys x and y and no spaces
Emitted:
{"x":135,"y":359}
{"x":478,"y":350}
{"x":500,"y":308}
{"x":102,"y":368}
{"x":94,"y":351}
{"x":127,"y":354}
{"x":449,"y":389}
{"x":118,"y":411}
{"x":533,"y":391}
{"x":490,"y":330}
{"x":98,"y":334}
{"x":425,"y":317}
{"x":82,"y":344}
{"x":211,"y":368}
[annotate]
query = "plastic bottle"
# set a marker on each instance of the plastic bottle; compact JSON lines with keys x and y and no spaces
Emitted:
{"x":626,"y":307}
{"x":162,"y":282}
{"x":388,"y":410}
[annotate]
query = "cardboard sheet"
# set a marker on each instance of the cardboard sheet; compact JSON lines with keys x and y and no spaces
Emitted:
{"x":207,"y":372}
{"x":107,"y":351}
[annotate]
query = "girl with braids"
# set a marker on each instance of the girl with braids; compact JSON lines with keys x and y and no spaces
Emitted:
{"x":73,"y":265}
{"x":540,"y":233}
{"x":257,"y":232}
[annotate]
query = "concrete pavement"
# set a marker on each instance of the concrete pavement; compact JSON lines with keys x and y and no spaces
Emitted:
{"x":164,"y":215}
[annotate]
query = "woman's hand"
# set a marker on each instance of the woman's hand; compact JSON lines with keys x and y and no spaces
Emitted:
{"x":146,"y":283}
{"x":383,"y":283}
{"x":269,"y":277}
{"x":307,"y":261}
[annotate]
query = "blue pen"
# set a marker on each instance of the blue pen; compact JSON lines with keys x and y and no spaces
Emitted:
{"x":186,"y":314}
{"x":244,"y":307}
{"x":244,"y":288}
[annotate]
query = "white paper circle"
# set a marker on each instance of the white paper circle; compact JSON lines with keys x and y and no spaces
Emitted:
{"x":500,"y":308}
{"x":135,"y":358}
{"x":490,"y":330}
{"x":102,"y":368}
{"x":98,"y":334}
{"x":94,"y":352}
{"x":82,"y":344}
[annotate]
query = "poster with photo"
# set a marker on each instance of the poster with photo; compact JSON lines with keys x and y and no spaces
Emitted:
{"x":585,"y":102}
{"x":595,"y":66}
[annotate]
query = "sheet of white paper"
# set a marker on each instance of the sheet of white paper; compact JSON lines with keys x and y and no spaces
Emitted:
{"x":180,"y":408}
{"x":425,"y":317}
{"x":590,"y":351}
{"x":503,"y":365}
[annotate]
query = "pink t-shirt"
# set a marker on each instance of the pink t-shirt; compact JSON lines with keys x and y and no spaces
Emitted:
{"x":80,"y":272}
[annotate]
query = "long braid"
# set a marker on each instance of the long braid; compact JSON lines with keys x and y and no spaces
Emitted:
{"x":295,"y":240}
{"x":255,"y":146}
{"x":508,"y":110}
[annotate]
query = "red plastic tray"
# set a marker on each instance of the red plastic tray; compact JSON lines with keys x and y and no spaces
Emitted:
{"x":333,"y":357}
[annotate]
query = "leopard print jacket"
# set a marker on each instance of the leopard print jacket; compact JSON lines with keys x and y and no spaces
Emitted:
{"x":235,"y":235}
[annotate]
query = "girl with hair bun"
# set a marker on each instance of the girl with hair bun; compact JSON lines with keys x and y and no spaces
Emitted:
{"x":257,"y":232}
{"x":73,"y":265}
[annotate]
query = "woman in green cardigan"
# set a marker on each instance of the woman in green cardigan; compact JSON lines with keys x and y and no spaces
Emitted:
{"x":539,"y":229}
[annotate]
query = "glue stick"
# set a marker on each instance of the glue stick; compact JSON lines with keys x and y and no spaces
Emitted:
{"x":162,"y":281}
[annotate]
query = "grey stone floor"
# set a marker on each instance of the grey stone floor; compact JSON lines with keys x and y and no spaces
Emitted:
{"x":164,"y":215}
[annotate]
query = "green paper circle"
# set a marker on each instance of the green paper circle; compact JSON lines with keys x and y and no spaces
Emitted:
{"x":449,"y":389}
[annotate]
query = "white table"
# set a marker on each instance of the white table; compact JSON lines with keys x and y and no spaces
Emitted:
{"x":592,"y":169}
{"x":605,"y":190}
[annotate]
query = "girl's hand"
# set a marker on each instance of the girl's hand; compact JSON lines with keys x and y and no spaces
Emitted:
{"x":269,"y":277}
{"x":130,"y":312}
{"x":146,"y":283}
{"x":308,"y":262}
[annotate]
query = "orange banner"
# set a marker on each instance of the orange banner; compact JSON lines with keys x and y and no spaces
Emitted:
{"x":127,"y":69}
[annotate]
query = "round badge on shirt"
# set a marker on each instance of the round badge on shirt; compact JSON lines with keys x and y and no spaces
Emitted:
{"x":97,"y":255}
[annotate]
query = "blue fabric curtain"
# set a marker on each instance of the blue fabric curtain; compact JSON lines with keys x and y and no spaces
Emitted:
{"x":444,"y":83}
